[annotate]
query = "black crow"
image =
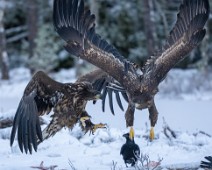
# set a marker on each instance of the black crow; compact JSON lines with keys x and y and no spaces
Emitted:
{"x":130,"y":150}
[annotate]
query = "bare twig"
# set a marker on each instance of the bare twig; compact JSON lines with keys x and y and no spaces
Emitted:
{"x":146,"y":163}
{"x":114,"y":164}
{"x":202,"y":132}
{"x":158,"y":163}
{"x":71,"y":165}
{"x":167,"y":130}
{"x":42,"y":167}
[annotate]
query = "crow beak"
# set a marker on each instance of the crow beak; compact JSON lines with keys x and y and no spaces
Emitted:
{"x":126,"y":135}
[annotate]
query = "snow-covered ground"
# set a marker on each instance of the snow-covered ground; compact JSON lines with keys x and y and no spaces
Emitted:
{"x":184,"y":101}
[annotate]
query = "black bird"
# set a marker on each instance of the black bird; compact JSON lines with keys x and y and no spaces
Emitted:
{"x":208,"y":164}
{"x":130,"y":150}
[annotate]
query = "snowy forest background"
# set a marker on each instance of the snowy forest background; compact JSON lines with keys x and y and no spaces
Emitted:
{"x":137,"y":28}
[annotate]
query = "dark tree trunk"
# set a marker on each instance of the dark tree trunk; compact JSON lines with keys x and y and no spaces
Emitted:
{"x":4,"y":61}
{"x":32,"y":22}
{"x":148,"y":27}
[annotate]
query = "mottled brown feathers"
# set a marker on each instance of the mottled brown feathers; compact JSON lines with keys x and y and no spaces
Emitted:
{"x":43,"y":94}
{"x":77,"y":28}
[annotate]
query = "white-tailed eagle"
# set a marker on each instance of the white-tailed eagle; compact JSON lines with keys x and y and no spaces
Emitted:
{"x":76,"y":26}
{"x":43,"y":95}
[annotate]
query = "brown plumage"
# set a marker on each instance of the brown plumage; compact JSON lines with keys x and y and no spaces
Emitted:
{"x":42,"y":95}
{"x":77,"y":27}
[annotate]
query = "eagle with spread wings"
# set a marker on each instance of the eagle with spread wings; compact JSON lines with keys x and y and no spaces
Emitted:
{"x":43,"y":95}
{"x":138,"y":85}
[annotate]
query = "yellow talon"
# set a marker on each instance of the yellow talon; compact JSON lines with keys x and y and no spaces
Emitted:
{"x":97,"y":126}
{"x":83,"y":119}
{"x":152,"y":134}
{"x":132,"y":133}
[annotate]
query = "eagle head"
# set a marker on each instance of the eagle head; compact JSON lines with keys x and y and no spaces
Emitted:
{"x":85,"y":91}
{"x":143,"y":98}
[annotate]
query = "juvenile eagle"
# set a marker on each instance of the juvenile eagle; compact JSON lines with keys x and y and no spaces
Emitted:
{"x":66,"y":100}
{"x":76,"y":26}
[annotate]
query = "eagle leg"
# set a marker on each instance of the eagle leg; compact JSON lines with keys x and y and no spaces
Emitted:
{"x":153,"y":116}
{"x":83,"y":120}
{"x":152,"y":134}
{"x":51,"y":129}
{"x":97,"y":126}
{"x":87,"y":125}
{"x":132,"y":133}
{"x":129,"y":116}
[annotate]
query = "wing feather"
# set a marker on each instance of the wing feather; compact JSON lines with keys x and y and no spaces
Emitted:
{"x":81,"y":30}
{"x":205,"y":164}
{"x":187,"y":33}
{"x":20,"y":130}
{"x":119,"y":100}
{"x":35,"y":102}
{"x":102,"y":82}
{"x":110,"y":95}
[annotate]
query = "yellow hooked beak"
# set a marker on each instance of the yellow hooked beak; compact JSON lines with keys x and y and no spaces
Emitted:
{"x":98,"y":96}
{"x":83,"y":119}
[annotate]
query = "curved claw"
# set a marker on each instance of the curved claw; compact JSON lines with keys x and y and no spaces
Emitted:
{"x":97,"y":126}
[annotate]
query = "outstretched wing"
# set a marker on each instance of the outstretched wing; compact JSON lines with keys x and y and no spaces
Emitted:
{"x":104,"y":83}
{"x":77,"y":27}
{"x":187,"y":33}
{"x":39,"y":97}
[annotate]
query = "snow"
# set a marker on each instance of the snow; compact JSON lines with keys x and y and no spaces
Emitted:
{"x":186,"y":109}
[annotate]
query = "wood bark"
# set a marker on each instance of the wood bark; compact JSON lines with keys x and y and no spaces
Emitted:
{"x":148,"y":27}
{"x":4,"y":61}
{"x":32,"y":23}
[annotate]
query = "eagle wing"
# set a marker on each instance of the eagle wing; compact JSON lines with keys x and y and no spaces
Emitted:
{"x":186,"y":34}
{"x":77,"y":27}
{"x":38,"y":99}
{"x":107,"y":85}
